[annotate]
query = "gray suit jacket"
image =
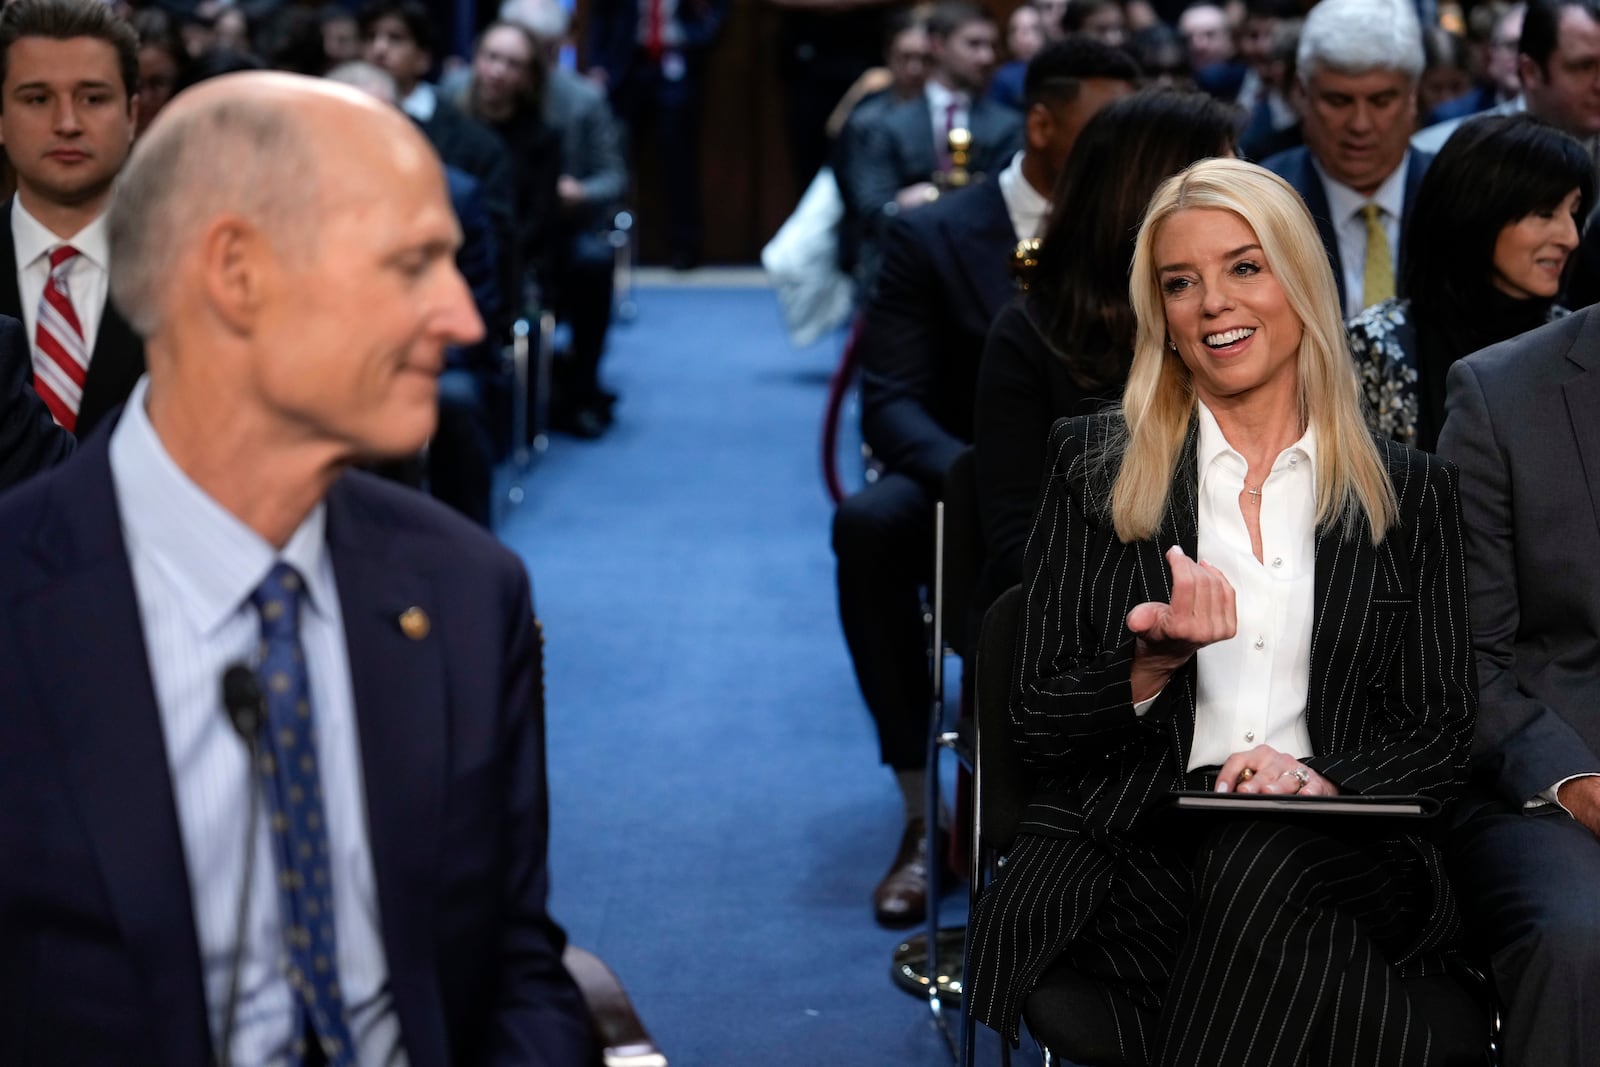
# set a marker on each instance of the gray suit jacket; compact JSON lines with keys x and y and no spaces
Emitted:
{"x":591,"y":146}
{"x":1523,"y":424}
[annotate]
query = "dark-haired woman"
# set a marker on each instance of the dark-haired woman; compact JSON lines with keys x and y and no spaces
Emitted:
{"x":1496,"y":222}
{"x":1064,"y":348}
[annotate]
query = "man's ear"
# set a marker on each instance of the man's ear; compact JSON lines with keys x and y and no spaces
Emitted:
{"x":133,"y":117}
{"x":236,"y":265}
{"x":1039,"y":126}
{"x":1528,"y":71}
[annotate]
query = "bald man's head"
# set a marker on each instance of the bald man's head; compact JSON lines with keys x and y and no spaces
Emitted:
{"x":256,"y":145}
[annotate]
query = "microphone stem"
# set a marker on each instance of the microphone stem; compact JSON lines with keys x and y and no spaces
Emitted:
{"x":242,"y":926}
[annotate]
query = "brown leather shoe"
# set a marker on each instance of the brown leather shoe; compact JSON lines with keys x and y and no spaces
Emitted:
{"x":902,"y":897}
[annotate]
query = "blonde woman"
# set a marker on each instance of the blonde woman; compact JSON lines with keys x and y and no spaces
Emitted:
{"x":1232,"y":585}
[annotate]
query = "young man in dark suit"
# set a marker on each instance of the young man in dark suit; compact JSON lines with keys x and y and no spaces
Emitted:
{"x":68,"y":107}
{"x":896,"y":160}
{"x":285,"y":246}
{"x":946,"y":274}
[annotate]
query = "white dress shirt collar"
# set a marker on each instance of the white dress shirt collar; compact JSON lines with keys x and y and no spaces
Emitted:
{"x":421,"y":102}
{"x":1026,"y":205}
{"x":199,"y":545}
{"x":1345,"y":203}
{"x":1212,"y":444}
{"x":1350,"y":228}
{"x":939,"y":99}
{"x":34,"y":239}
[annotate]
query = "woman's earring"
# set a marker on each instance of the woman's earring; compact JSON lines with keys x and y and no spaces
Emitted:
{"x":1172,"y":344}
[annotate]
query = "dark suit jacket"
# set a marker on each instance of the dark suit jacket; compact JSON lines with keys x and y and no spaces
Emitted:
{"x":1390,"y":700}
{"x":30,"y":440}
{"x":1523,"y":423}
{"x":946,"y":275}
{"x":98,"y":956}
{"x":1295,"y":167}
{"x":118,"y":357}
{"x":897,"y":149}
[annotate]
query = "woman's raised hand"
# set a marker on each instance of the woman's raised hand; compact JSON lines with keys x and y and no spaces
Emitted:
{"x":1202,"y":612}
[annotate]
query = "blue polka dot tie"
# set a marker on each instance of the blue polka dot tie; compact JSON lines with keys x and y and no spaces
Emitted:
{"x":293,"y":788}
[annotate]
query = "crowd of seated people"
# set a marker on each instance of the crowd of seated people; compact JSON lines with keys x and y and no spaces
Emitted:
{"x":535,"y":175}
{"x":1255,"y":358}
{"x":1351,"y":272}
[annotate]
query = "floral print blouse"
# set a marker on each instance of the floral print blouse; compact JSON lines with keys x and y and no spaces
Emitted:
{"x":1383,"y":341}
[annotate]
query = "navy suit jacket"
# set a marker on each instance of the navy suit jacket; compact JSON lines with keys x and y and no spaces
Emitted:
{"x":946,"y":275}
{"x":118,"y":357}
{"x":30,"y":440}
{"x":1295,"y":167}
{"x":896,"y":149}
{"x":98,"y":953}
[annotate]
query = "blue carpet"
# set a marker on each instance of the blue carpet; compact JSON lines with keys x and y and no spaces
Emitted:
{"x":719,"y":815}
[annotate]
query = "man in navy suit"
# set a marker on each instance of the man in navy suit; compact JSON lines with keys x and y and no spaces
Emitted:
{"x":1358,"y":65}
{"x":946,"y":274}
{"x":271,"y":763}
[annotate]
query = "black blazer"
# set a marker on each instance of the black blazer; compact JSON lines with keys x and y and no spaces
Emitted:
{"x":946,"y":275}
{"x":1392,"y":693}
{"x":118,"y":357}
{"x":1295,"y":167}
{"x":30,"y":440}
{"x":896,"y":149}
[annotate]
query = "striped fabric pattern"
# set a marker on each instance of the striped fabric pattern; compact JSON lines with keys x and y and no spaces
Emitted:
{"x":60,"y":356}
{"x":1390,"y":707}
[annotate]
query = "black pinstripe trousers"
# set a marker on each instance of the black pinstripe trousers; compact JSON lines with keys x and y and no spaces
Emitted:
{"x":1268,"y":944}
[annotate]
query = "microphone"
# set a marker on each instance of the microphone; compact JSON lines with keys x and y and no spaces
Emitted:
{"x":245,"y":704}
{"x":241,"y":696}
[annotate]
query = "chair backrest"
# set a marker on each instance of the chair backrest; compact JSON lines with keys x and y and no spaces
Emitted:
{"x":963,"y":547}
{"x":999,"y":780}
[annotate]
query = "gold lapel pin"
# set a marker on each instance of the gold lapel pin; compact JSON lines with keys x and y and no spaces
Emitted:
{"x":414,"y":623}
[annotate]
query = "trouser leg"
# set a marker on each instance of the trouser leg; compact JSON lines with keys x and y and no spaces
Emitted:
{"x":1287,"y":957}
{"x":1530,"y":885}
{"x":883,"y":541}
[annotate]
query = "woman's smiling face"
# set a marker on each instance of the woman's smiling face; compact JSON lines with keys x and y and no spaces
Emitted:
{"x":1229,"y":318}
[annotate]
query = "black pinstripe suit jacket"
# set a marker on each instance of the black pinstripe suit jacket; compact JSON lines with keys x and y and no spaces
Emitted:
{"x":1392,"y":692}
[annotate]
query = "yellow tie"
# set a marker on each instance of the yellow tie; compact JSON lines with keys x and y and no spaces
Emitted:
{"x":1377,"y":282}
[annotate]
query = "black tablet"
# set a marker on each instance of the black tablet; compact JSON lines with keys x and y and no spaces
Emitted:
{"x":1393,"y":807}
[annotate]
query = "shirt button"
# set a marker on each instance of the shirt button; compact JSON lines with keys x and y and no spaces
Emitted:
{"x":1261,"y":642}
{"x":1277,"y":561}
{"x":1294,"y":460}
{"x":1249,"y":735}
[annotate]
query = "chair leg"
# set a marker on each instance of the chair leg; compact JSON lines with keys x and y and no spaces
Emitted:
{"x":935,"y":728}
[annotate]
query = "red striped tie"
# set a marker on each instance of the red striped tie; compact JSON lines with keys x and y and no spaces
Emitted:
{"x":60,"y":359}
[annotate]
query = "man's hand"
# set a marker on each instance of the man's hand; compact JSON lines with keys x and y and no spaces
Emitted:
{"x":1581,"y":797}
{"x":1202,"y":612}
{"x":916,"y":195}
{"x":571,"y":192}
{"x":1267,"y":771}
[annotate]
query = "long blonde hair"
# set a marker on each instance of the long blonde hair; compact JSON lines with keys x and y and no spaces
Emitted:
{"x":1352,"y":485}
